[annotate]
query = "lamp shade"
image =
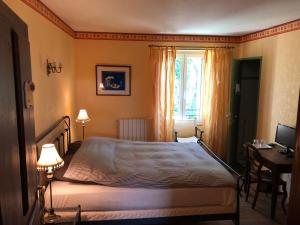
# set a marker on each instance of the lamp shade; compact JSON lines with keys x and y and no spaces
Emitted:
{"x":49,"y":159}
{"x":82,"y":116}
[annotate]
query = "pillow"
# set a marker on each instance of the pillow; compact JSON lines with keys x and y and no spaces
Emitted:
{"x":93,"y":161}
{"x":73,"y":147}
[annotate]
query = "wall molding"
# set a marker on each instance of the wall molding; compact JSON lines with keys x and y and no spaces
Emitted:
{"x":272,"y":31}
{"x":42,"y":9}
{"x":155,"y":37}
{"x":38,"y":6}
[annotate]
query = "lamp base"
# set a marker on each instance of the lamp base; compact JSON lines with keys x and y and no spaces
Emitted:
{"x":51,"y":218}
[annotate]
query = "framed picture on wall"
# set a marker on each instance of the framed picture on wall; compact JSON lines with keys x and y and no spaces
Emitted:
{"x":113,"y":80}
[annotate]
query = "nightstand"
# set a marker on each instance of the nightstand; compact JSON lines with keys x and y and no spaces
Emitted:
{"x":69,"y":216}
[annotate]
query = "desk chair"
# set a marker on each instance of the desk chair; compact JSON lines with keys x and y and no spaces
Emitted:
{"x":257,"y":173}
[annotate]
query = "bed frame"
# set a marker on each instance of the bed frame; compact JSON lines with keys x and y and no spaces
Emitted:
{"x":60,"y":134}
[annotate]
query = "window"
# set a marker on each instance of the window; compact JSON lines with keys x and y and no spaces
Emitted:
{"x":188,"y":85}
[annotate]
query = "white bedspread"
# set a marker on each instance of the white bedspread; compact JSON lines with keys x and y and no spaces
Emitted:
{"x":114,"y":162}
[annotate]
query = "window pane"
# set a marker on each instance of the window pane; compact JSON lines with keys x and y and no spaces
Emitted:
{"x":177,"y":87}
{"x":193,"y":87}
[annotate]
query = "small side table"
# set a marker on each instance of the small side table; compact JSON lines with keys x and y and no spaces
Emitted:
{"x":69,"y":216}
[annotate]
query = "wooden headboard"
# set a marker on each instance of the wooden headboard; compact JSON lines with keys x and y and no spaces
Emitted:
{"x":59,"y":134}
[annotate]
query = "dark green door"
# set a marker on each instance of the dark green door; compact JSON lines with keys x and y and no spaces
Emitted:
{"x":244,"y":106}
{"x":233,"y":123}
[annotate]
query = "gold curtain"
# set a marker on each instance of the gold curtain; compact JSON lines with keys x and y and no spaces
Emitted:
{"x":163,"y":71}
{"x":216,"y":98}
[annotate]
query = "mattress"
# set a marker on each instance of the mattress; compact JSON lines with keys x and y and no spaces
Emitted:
{"x":100,"y":202}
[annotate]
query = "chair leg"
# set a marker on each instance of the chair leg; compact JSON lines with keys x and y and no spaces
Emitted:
{"x":241,"y":188}
{"x":256,"y":195}
{"x":284,"y":197}
{"x":246,"y":181}
{"x":247,"y":186}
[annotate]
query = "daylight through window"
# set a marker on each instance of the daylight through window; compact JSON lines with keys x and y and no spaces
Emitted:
{"x":188,"y":85}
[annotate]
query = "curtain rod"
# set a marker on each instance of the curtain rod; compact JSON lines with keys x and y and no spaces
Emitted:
{"x":190,"y":47}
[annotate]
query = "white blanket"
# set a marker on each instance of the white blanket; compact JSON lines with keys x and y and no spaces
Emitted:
{"x":114,"y":162}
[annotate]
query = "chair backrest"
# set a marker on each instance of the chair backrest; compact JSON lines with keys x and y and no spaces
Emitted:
{"x":254,"y":160}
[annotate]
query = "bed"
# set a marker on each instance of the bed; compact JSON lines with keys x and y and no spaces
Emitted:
{"x":142,"y":182}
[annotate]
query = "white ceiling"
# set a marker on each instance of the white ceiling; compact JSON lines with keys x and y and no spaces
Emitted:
{"x":199,"y":17}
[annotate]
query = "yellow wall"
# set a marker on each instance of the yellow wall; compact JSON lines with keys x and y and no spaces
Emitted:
{"x":106,"y":110}
{"x":280,"y":80}
{"x":75,"y":87}
{"x":54,"y":95}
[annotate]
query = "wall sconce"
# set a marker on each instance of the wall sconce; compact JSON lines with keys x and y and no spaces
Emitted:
{"x":52,"y":68}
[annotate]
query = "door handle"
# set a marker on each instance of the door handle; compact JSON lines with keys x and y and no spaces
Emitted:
{"x":29,"y":88}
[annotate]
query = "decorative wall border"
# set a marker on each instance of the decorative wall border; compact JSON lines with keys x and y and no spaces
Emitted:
{"x":155,"y":37}
{"x":38,"y":6}
{"x":279,"y":29}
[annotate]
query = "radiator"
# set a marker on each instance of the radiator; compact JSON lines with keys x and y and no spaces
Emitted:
{"x":133,"y":129}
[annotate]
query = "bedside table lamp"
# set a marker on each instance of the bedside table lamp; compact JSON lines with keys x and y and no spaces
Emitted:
{"x":82,"y":118}
{"x":49,"y":161}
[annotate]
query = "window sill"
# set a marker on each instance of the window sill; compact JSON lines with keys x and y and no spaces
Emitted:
{"x":197,"y":122}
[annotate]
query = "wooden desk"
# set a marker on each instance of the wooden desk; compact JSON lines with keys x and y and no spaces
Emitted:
{"x":278,"y":163}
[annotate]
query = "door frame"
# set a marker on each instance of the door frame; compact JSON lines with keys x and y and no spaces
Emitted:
{"x":234,"y":106}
